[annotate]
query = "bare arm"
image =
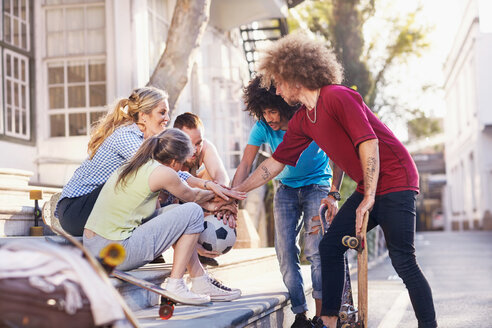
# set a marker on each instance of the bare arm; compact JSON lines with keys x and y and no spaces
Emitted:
{"x":244,"y":167}
{"x":267,"y":170}
{"x":369,"y":159}
{"x":222,"y":192}
{"x":166,"y":178}
{"x":336,"y":182}
{"x":337,"y":178}
{"x":213,"y":164}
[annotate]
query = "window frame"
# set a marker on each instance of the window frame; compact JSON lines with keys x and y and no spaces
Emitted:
{"x":66,"y":59}
{"x":26,"y":83}
{"x":29,"y":137}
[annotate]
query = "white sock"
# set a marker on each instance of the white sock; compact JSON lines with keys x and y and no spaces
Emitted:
{"x":174,"y":281}
{"x":200,"y":279}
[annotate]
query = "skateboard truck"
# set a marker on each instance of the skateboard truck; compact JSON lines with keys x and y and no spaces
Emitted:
{"x":356,"y":243}
{"x":36,"y":230}
{"x":346,"y":311}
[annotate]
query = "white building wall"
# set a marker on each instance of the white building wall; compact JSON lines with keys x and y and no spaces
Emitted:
{"x":468,"y":123}
{"x":214,"y":91}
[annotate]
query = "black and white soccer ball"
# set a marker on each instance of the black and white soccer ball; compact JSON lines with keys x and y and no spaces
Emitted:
{"x":217,"y":236}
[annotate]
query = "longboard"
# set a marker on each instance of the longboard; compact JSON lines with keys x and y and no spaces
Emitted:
{"x":347,"y":310}
{"x":168,"y":300}
{"x":52,"y":222}
{"x":359,"y":243}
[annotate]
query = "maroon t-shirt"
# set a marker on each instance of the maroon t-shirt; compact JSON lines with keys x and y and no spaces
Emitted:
{"x":343,"y":122}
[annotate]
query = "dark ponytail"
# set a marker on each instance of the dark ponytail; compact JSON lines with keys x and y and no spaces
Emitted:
{"x":169,"y":145}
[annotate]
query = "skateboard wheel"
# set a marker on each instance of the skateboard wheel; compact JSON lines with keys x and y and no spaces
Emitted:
{"x":113,"y":254}
{"x":166,"y":311}
{"x":345,"y":240}
{"x":343,"y":315}
{"x":352,"y":242}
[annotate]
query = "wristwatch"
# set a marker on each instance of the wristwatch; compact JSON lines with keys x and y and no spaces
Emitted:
{"x":335,"y":194}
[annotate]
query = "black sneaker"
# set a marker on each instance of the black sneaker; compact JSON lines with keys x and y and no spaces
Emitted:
{"x":158,"y":259}
{"x":317,"y":322}
{"x":208,"y":261}
{"x":302,"y":321}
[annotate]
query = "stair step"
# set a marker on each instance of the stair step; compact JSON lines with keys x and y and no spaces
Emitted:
{"x":264,"y":302}
{"x":231,"y":265}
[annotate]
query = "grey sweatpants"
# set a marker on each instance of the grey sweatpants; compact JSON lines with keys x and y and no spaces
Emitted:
{"x":152,"y":238}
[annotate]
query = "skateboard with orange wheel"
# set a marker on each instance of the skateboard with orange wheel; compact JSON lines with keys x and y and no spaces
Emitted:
{"x":110,"y":256}
{"x":347,"y":310}
{"x":359,"y":243}
{"x":107,"y":262}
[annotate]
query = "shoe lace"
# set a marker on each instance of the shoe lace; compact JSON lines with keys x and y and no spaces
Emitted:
{"x":218,"y":284}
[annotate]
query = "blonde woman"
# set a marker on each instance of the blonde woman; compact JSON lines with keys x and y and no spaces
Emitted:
{"x":130,"y":196}
{"x":115,"y":139}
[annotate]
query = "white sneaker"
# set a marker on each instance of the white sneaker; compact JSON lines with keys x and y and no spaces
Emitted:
{"x":177,"y":290}
{"x":213,"y":288}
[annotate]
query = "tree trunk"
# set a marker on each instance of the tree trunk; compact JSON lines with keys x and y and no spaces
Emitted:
{"x":190,"y":18}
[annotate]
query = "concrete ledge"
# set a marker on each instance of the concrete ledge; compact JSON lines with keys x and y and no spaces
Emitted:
{"x":264,"y":303}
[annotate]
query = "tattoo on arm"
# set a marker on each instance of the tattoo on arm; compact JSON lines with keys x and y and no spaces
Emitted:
{"x":266,"y":174}
{"x":371,"y":170}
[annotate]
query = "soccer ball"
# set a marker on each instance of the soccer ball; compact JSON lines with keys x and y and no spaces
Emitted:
{"x":217,"y":236}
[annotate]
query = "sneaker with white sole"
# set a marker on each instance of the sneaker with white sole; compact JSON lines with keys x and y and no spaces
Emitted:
{"x":215,"y":289}
{"x":178,"y":291}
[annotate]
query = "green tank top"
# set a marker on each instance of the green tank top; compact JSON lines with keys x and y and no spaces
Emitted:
{"x":118,"y":211}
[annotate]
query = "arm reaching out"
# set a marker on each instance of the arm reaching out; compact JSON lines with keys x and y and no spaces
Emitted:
{"x":213,"y":164}
{"x":267,"y":170}
{"x":245,"y":165}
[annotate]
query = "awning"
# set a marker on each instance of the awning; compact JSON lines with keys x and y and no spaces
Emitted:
{"x":227,"y":14}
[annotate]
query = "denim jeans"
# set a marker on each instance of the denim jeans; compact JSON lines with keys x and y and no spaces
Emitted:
{"x":395,"y":213}
{"x":294,"y":208}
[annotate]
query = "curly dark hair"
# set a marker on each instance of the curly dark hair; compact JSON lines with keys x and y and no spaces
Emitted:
{"x":296,"y":58}
{"x":258,"y":99}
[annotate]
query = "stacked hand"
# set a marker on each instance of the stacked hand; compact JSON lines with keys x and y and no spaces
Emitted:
{"x":226,"y":208}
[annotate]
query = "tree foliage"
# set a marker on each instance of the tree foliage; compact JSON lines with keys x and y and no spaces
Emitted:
{"x":422,"y":125}
{"x":366,"y":60}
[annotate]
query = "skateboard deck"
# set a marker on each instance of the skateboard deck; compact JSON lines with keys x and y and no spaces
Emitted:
{"x":50,"y":220}
{"x":347,"y":310}
{"x":168,"y":300}
{"x":359,"y":243}
{"x":48,"y":214}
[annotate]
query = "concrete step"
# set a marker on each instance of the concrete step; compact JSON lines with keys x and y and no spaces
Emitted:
{"x":264,"y":301}
{"x":16,"y":209}
{"x":235,"y":265}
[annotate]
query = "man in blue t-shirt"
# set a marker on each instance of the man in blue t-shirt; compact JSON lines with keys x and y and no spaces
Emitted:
{"x":298,"y":195}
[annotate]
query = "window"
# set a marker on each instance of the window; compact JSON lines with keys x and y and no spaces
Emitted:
{"x":76,"y":65}
{"x":16,"y":94}
{"x":16,"y":23}
{"x":16,"y":54}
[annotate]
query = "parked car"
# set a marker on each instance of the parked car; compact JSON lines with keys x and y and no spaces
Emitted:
{"x":437,"y":220}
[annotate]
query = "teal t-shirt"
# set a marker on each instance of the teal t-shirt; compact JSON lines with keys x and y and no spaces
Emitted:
{"x":312,"y":167}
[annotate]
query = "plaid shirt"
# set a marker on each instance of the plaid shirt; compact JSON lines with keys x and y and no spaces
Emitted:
{"x":120,"y":146}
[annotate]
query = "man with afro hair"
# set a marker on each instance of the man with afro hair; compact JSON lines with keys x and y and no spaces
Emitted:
{"x":298,"y":195}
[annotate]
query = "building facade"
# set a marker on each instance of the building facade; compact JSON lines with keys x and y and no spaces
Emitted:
{"x":468,"y":122}
{"x":65,"y":61}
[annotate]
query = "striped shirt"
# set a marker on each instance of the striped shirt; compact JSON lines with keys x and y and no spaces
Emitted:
{"x":119,"y":147}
